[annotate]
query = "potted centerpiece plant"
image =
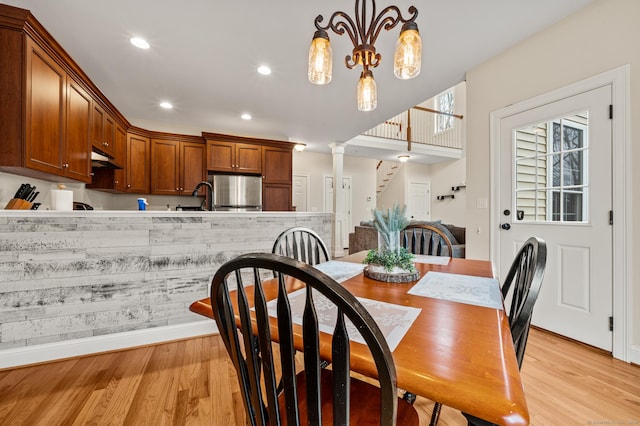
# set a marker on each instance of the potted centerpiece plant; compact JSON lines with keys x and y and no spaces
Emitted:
{"x":390,"y":261}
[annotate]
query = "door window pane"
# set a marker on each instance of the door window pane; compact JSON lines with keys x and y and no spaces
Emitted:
{"x":551,"y":163}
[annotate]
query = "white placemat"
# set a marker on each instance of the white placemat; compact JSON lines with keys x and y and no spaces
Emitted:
{"x":434,"y":260}
{"x":467,"y":289}
{"x":340,"y":271}
{"x":393,"y":320}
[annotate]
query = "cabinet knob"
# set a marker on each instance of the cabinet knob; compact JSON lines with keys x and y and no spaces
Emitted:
{"x":128,"y":186}
{"x":116,"y":182}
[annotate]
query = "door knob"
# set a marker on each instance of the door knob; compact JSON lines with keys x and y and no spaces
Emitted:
{"x":505,"y":226}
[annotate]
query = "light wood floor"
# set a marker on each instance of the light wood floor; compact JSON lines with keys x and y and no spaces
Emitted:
{"x":193,"y":382}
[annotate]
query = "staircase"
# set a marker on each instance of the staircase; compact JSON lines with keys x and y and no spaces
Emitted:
{"x":385,"y":170}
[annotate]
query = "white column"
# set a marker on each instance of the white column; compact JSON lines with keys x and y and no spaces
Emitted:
{"x":339,"y":208}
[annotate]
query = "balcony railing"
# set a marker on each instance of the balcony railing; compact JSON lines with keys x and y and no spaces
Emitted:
{"x":423,"y":126}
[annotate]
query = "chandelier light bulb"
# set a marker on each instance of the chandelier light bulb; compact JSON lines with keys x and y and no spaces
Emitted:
{"x":320,"y":58}
{"x":408,"y":55}
{"x":367,"y":92}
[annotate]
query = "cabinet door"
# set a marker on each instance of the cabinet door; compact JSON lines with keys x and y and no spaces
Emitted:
{"x":77,"y":158}
{"x":165,"y":166}
{"x":109,"y":134}
{"x":120,"y":157}
{"x":276,"y":197}
{"x":248,"y":158}
{"x":138,"y":164}
{"x":276,"y":165}
{"x":220,"y":156}
{"x":97,"y":127}
{"x":192,"y":170}
{"x":46,"y":84}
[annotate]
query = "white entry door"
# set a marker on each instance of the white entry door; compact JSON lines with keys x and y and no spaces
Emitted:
{"x":556,"y":183}
{"x":419,"y":205}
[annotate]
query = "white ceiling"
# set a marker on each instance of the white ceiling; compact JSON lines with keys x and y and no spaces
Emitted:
{"x":204,"y":55}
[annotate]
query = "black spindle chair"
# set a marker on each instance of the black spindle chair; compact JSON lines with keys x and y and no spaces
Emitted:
{"x":522,"y":283}
{"x":315,"y":395}
{"x":426,"y":239}
{"x":302,"y":244}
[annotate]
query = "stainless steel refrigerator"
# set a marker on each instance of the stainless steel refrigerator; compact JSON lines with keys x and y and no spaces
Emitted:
{"x":236,"y":193}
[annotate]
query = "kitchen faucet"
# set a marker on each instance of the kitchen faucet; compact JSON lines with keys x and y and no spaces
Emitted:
{"x":209,"y":196}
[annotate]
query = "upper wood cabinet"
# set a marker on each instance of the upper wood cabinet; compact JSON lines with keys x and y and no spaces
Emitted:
{"x":46,"y":104}
{"x":276,"y":165}
{"x":176,"y":166}
{"x":234,"y":157}
{"x":58,"y":113}
{"x":138,"y":166}
{"x":108,"y":179}
{"x":103,"y":130}
{"x":120,"y":157}
{"x":192,"y":166}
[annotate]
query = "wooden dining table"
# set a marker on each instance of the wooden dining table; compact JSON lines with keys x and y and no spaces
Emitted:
{"x":457,"y":354}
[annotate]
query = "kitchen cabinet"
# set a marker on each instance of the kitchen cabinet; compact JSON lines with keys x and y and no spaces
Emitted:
{"x":276,"y":197}
{"x":276,"y":178}
{"x":109,"y":179}
{"x":176,"y":166}
{"x":120,"y":157}
{"x":234,"y":157}
{"x":138,"y":167}
{"x":57,"y":118}
{"x":103,"y":130}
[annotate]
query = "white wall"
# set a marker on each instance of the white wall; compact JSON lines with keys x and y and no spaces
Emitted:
{"x":363,"y":187}
{"x":443,"y":177}
{"x":599,"y":38}
{"x":363,"y":181}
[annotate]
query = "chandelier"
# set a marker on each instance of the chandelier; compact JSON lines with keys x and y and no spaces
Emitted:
{"x":406,"y":61}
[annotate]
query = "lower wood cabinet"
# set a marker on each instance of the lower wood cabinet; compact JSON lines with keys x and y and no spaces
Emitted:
{"x":276,"y":197}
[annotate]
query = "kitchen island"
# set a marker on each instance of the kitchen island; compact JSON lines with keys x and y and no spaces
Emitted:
{"x":87,"y":281}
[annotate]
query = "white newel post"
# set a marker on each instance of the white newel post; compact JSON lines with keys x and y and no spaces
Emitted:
{"x":339,"y":208}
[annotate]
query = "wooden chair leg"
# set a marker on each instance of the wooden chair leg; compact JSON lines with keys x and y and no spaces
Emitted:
{"x":435,"y":414}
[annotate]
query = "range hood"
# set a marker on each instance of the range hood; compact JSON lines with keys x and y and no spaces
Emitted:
{"x":102,"y":161}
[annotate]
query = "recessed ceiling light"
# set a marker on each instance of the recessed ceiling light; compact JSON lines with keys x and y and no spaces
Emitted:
{"x":139,"y":42}
{"x":403,"y":158}
{"x":166,"y":105}
{"x":264,"y":70}
{"x":246,"y":116}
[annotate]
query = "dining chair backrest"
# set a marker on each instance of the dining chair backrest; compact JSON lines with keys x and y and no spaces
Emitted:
{"x":252,"y":352}
{"x":302,"y":244}
{"x":522,"y":284}
{"x":426,"y":239}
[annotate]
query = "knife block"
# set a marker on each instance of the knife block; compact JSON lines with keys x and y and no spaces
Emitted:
{"x":18,"y":204}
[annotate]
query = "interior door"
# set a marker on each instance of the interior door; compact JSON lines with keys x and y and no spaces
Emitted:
{"x":557,"y":159}
{"x":328,"y":204}
{"x":419,"y":205}
{"x":300,"y":192}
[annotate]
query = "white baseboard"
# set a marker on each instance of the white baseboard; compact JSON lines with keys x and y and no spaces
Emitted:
{"x":635,"y":354}
{"x":71,"y":348}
